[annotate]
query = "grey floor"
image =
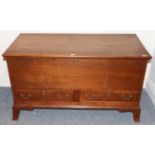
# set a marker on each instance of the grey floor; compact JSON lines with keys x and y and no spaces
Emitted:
{"x":73,"y":117}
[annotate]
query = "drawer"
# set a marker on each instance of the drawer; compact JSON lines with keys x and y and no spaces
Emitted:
{"x":28,"y":94}
{"x":58,"y":95}
{"x":91,"y":95}
{"x":44,"y":94}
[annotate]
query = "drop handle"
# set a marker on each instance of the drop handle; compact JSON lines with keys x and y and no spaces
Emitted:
{"x":91,"y":97}
{"x":129,"y":97}
{"x":24,"y":96}
{"x":66,"y":95}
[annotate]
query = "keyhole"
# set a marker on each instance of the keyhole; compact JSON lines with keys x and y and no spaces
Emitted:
{"x":75,"y":61}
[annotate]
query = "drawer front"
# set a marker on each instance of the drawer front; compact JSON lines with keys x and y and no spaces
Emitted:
{"x":77,"y":73}
{"x":58,"y":95}
{"x":43,"y":94}
{"x":109,"y":96}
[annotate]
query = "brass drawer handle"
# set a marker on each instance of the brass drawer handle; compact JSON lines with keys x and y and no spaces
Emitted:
{"x":91,"y":97}
{"x":127,"y":97}
{"x":66,"y":95}
{"x":25,"y":96}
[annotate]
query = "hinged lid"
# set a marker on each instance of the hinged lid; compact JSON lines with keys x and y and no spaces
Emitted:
{"x":77,"y":45}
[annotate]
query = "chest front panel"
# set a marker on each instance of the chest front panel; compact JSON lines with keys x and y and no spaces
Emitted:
{"x":77,"y":73}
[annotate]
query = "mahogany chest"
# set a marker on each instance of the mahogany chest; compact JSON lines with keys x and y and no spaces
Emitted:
{"x":81,"y":71}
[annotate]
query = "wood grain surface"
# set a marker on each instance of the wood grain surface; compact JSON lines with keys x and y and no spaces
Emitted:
{"x":78,"y":45}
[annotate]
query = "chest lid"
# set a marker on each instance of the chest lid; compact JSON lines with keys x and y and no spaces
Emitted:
{"x":77,"y":45}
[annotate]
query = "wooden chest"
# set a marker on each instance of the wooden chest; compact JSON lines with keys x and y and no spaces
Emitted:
{"x":82,"y":71}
